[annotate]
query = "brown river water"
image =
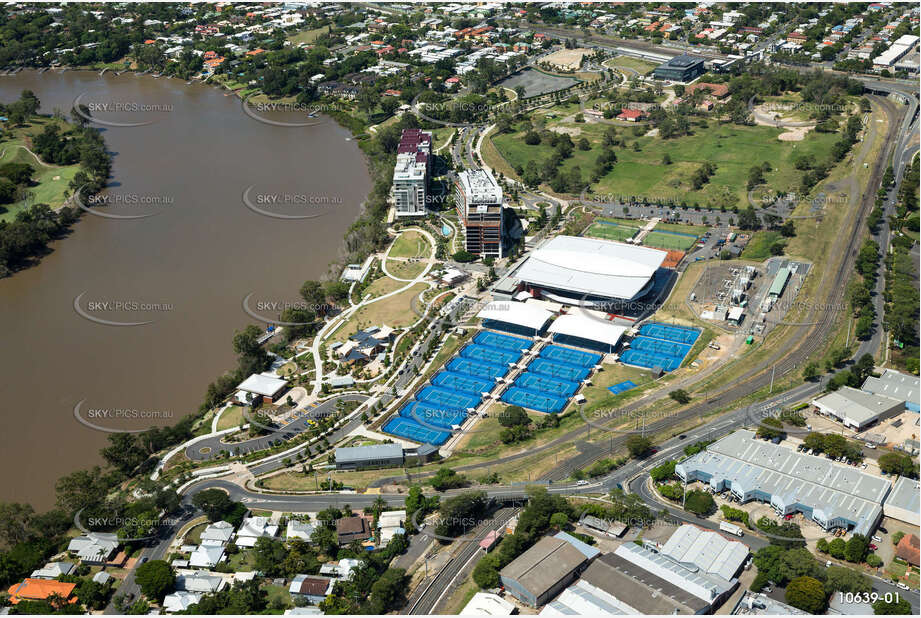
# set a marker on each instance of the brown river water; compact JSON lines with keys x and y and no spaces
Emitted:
{"x":183,"y":272}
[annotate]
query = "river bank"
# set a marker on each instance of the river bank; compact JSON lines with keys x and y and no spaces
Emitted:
{"x":185,"y":266}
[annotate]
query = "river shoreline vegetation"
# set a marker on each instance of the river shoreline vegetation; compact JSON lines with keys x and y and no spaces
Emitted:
{"x":24,"y":151}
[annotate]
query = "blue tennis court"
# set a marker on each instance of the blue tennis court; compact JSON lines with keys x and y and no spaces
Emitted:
{"x":489,"y":354}
{"x":620,"y":387}
{"x":546,"y":384}
{"x":428,"y":414}
{"x":444,"y":398}
{"x":638,"y":358}
{"x":503,"y":342}
{"x":665,"y":348}
{"x":535,"y":401}
{"x":669,"y":332}
{"x":571,"y":356}
{"x":461,"y":382}
{"x":411,"y":430}
{"x":471,"y":367}
{"x":558,"y":370}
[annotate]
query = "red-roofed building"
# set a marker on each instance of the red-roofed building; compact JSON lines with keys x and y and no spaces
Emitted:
{"x":908,"y":549}
{"x":717,"y":90}
{"x":32,"y":589}
{"x":631,"y":115}
{"x":149,"y":42}
{"x":255,"y":52}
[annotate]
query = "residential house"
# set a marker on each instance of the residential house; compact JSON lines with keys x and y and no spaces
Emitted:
{"x":40,"y":590}
{"x":94,"y":547}
{"x":351,"y":529}
{"x":53,"y":570}
{"x":206,"y":556}
{"x":299,"y":530}
{"x":199,"y":581}
{"x":311,"y":588}
{"x":254,"y":528}
{"x":908,"y":549}
{"x":180,"y":601}
{"x":218,"y":533}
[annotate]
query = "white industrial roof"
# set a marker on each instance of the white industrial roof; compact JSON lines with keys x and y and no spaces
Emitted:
{"x":709,"y":551}
{"x":487,"y":604}
{"x":262,"y":385}
{"x":856,"y":405}
{"x":701,"y":585}
{"x":591,"y":266}
{"x":521,"y":314}
{"x":894,"y":384}
{"x":593,"y":329}
{"x":904,"y":495}
{"x":834,"y":490}
{"x":584,"y":599}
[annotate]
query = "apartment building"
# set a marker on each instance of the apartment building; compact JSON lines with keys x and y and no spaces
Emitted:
{"x":411,"y":172}
{"x":478,"y":199}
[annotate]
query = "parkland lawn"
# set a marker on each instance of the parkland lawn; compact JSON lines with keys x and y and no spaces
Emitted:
{"x":734,"y":149}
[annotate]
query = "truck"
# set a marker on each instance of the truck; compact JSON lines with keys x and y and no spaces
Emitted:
{"x":725,"y":526}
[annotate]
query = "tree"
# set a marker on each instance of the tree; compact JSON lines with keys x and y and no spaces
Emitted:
{"x":663,"y":471}
{"x":874,"y":561}
{"x":269,"y":556}
{"x":666,"y":159}
{"x":638,"y":445}
{"x":388,"y":592}
{"x":856,"y":548}
{"x":513,"y":416}
{"x":680,"y":395}
{"x":215,"y":503}
{"x":15,"y":519}
{"x":837,"y":548}
{"x":486,"y":572}
{"x":156,"y":579}
{"x":446,"y":478}
{"x":808,"y":594}
{"x":559,"y":520}
{"x":810,"y":372}
{"x":699,"y":502}
{"x":890,"y":608}
{"x":770,"y":428}
{"x":843,"y":579}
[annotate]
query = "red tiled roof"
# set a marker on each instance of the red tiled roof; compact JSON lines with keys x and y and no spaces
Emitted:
{"x":908,"y":549}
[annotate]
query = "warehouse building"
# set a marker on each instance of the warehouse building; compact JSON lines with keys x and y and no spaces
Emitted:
{"x":858,"y":409}
{"x":683,"y":68}
{"x":780,"y":283}
{"x":709,"y":551}
{"x":372,"y":456}
{"x":584,"y":599}
{"x":897,"y":385}
{"x":539,"y":574}
{"x":707,"y":587}
{"x":903,"y":502}
{"x":591,"y":273}
{"x":639,"y":591}
{"x":830,"y":494}
{"x":488,"y":604}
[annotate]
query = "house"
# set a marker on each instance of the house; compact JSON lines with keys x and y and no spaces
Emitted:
{"x":180,"y":601}
{"x":340,"y":570}
{"x":717,"y":90}
{"x":94,"y":547}
{"x":254,"y":528}
{"x":102,"y":578}
{"x":631,"y":115}
{"x":351,"y":529}
{"x":206,"y":556}
{"x":313,"y":589}
{"x":908,"y":549}
{"x":218,"y":533}
{"x":53,"y":570}
{"x":199,"y":581}
{"x":40,"y":590}
{"x":299,"y":530}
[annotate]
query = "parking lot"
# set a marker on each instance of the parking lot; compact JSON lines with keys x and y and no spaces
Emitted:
{"x":537,"y":83}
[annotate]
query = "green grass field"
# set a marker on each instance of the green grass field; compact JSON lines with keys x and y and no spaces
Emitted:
{"x":640,"y":66}
{"x":732,"y":148}
{"x":410,"y":244}
{"x":662,"y":240}
{"x":759,"y":247}
{"x":308,"y":36}
{"x":52,"y":183}
{"x":608,"y":231}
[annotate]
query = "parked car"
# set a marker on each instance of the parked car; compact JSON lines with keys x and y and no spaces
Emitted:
{"x":902,"y":586}
{"x":877,"y":538}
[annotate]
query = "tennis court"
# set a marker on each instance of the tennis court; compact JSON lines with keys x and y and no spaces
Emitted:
{"x":428,"y":414}
{"x":638,"y":358}
{"x":503,"y":342}
{"x":669,"y":332}
{"x":411,"y":430}
{"x":444,"y":398}
{"x":621,"y":387}
{"x":658,"y":346}
{"x":558,"y":370}
{"x":534,"y":401}
{"x":546,"y":384}
{"x":489,"y":354}
{"x":461,"y":382}
{"x":571,"y":356}
{"x":476,"y":368}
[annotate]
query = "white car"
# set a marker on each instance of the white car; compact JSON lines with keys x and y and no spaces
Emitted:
{"x":902,"y":586}
{"x":581,"y":483}
{"x":877,"y":539}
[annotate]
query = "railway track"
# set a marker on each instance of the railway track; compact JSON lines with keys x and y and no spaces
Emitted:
{"x":811,"y":335}
{"x":427,"y":599}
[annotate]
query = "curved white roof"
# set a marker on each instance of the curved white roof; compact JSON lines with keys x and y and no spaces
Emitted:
{"x":592,"y":266}
{"x":522,"y":314}
{"x":591,"y":328}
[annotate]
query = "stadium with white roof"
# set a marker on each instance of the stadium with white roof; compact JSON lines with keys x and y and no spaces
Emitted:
{"x":832,"y":495}
{"x":591,"y":273}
